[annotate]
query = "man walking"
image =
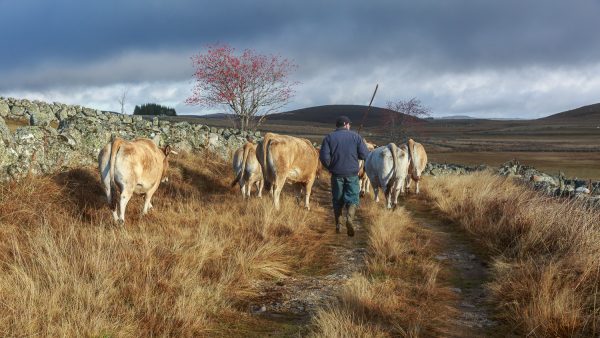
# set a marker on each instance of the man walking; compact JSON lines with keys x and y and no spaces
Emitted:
{"x":340,"y":152}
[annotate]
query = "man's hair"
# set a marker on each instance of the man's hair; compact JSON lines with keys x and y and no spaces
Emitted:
{"x":341,"y":121}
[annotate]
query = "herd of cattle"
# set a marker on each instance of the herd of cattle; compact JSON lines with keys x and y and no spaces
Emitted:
{"x":139,"y":166}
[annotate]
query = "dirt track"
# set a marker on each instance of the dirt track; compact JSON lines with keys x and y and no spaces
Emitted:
{"x":291,"y":303}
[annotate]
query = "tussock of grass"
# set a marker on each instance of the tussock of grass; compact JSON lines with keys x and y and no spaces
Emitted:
{"x":545,"y":252}
{"x":398,"y":294}
{"x":189,"y":265}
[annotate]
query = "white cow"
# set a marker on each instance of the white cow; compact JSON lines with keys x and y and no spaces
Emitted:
{"x":418,"y":162}
{"x":247,"y":170}
{"x":387,"y":168}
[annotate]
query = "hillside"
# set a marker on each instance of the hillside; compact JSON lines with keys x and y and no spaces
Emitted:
{"x":589,"y":113}
{"x":327,"y":114}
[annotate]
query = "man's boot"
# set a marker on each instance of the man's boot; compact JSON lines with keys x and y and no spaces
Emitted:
{"x":350,"y":219}
{"x":338,"y":219}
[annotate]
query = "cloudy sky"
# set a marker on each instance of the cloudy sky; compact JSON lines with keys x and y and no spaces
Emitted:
{"x":510,"y":58}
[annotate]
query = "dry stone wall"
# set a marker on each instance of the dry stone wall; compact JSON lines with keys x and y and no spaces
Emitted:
{"x":43,"y":138}
{"x":557,"y":185}
{"x":552,"y":185}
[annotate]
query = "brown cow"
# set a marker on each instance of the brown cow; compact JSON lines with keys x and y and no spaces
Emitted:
{"x":418,"y":162}
{"x":247,"y":170}
{"x":132,"y":167}
{"x":363,"y":178}
{"x":285,"y":158}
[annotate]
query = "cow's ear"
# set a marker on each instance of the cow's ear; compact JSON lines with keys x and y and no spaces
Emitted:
{"x":167,"y":150}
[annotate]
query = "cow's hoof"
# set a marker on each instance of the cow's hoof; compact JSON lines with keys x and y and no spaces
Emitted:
{"x":362,"y":194}
{"x":121,"y":222}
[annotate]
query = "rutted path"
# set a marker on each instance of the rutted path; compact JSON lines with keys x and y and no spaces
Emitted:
{"x":469,"y":273}
{"x":291,"y":303}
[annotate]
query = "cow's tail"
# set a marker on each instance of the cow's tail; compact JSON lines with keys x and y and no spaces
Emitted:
{"x":270,"y":166}
{"x":394,"y":150}
{"x":115,"y":144}
{"x":264,"y":148}
{"x":413,"y":158}
{"x":242,"y":170}
{"x":238,"y":176}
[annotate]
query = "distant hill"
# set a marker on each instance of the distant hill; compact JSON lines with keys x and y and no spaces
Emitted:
{"x":329,"y":113}
{"x":214,"y":116}
{"x":455,"y":117}
{"x":582,"y":114}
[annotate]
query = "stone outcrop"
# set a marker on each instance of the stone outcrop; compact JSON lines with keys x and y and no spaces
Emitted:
{"x":553,"y":185}
{"x":47,"y":138}
{"x":439,"y":169}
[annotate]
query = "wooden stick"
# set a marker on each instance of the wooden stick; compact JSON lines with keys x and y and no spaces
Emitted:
{"x":364,"y":118}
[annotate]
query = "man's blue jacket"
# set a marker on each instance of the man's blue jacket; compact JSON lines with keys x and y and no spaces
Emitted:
{"x":340,"y":152}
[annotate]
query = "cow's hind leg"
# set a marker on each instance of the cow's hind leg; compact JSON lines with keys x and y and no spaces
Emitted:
{"x":242,"y":183}
{"x":107,"y":189}
{"x":375,"y":185}
{"x":259,"y":185}
{"x":300,"y":193}
{"x":277,"y":187}
{"x":126,"y":194}
{"x":398,"y":187}
{"x":308,"y":188}
{"x":147,"y":200}
{"x":388,"y":193}
{"x":248,"y":185}
{"x":388,"y":199}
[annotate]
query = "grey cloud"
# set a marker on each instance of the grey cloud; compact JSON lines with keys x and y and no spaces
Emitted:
{"x":134,"y":66}
{"x":342,"y":48}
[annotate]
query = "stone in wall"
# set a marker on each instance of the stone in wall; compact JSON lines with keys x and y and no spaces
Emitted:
{"x":4,"y":108}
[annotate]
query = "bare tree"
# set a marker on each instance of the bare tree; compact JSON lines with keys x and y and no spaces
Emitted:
{"x":404,"y":118}
{"x":121,"y":100}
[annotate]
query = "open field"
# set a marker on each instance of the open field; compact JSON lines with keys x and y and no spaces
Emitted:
{"x":549,"y":145}
{"x":573,"y":164}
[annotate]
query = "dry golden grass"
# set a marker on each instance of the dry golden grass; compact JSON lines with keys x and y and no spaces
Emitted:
{"x":188,"y":268}
{"x":545,"y":251}
{"x":398,"y":293}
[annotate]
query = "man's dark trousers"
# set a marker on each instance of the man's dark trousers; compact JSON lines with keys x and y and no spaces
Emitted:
{"x":344,"y":191}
